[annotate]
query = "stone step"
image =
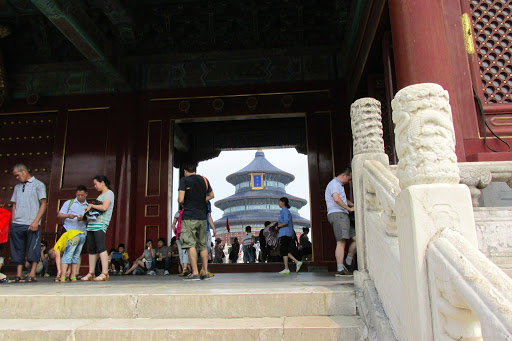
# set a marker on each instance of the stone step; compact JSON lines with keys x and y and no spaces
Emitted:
{"x":159,"y":297}
{"x":267,"y":328}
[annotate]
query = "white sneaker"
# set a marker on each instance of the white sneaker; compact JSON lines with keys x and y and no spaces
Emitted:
{"x":284,"y":272}
{"x":166,"y":273}
{"x":298,"y":266}
{"x":152,"y":273}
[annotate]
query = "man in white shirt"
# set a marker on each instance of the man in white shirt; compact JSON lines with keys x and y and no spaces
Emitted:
{"x":72,"y":215}
{"x":338,"y":208}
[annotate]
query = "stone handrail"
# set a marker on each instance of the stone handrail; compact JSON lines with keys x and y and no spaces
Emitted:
{"x":478,"y":175}
{"x":432,"y":280}
{"x":471,"y":298}
{"x":381,"y":188}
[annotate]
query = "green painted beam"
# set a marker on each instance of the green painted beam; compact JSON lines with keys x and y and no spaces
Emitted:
{"x":360,"y":11}
{"x":79,"y":29}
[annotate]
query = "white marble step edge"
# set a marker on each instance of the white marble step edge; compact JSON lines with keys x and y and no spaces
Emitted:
{"x":314,"y":302}
{"x":278,"y":328}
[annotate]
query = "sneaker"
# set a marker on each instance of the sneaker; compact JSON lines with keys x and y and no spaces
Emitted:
{"x":347,"y":272}
{"x":152,"y":273}
{"x":47,"y":275}
{"x":298,"y":266}
{"x":343,"y":272}
{"x":166,"y":273}
{"x":348,"y":267}
{"x":192,"y":278}
{"x":120,"y":272}
{"x":284,"y":272}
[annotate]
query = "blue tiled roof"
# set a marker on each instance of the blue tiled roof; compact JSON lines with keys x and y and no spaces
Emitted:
{"x":260,"y":165}
{"x":265,"y":193}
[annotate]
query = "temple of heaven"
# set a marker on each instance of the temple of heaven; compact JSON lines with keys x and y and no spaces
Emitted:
{"x":258,"y":187}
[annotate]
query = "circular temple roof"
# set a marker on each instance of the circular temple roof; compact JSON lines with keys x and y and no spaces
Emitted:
{"x":259,"y":165}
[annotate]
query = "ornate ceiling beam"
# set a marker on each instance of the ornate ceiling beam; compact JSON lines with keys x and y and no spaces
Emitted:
{"x":80,"y":30}
{"x":366,"y":16}
{"x":120,"y":17}
{"x":239,"y":54}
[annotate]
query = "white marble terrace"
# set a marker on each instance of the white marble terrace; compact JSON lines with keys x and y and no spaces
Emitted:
{"x":424,"y":245}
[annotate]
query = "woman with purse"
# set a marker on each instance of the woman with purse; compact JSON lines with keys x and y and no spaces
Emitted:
{"x":97,"y":229}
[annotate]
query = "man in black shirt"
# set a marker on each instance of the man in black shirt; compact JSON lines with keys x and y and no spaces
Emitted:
{"x":194,"y":192}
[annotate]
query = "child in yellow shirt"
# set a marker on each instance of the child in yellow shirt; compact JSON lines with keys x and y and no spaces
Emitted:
{"x":70,"y":244}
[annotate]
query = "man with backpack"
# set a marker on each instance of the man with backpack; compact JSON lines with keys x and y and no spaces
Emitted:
{"x":72,"y":215}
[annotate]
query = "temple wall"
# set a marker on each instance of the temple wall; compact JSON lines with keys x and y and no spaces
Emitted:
{"x":129,"y":139}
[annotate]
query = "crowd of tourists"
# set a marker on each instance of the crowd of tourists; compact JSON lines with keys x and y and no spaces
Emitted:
{"x":86,"y":223}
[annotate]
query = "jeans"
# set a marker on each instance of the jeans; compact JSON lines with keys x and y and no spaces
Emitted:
{"x":249,"y":254}
{"x":73,"y":249}
{"x":164,"y":263}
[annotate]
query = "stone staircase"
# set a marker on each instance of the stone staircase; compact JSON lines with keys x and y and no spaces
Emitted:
{"x":257,"y":306}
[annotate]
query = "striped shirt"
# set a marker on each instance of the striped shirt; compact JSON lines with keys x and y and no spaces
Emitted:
{"x":103,"y":220}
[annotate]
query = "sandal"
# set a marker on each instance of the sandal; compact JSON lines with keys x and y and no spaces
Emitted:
{"x":72,"y":279}
{"x":102,"y":277}
{"x":88,"y":277}
{"x":29,"y":279}
{"x":16,"y":279}
{"x":62,"y":280}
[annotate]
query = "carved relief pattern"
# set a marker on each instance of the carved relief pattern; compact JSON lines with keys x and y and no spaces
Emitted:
{"x":469,"y":295}
{"x":475,"y":178}
{"x":380,"y":188}
{"x":367,"y":126}
{"x":425,"y":139}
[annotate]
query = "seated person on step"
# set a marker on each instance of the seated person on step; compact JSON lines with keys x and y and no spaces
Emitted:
{"x":119,"y":260}
{"x":145,"y":261}
{"x":163,"y":256}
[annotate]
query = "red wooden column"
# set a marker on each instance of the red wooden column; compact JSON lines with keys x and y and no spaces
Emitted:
{"x":428,"y":47}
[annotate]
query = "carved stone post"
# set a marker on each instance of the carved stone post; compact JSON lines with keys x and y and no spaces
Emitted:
{"x":431,"y":198}
{"x":368,"y":145}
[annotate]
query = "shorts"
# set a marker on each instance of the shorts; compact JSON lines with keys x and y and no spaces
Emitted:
{"x":341,"y":226}
{"x":193,"y":234}
{"x":73,"y":249}
{"x":23,"y":243}
{"x":286,"y":245}
{"x":209,"y":244}
{"x":96,"y":240}
{"x":183,"y":253}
